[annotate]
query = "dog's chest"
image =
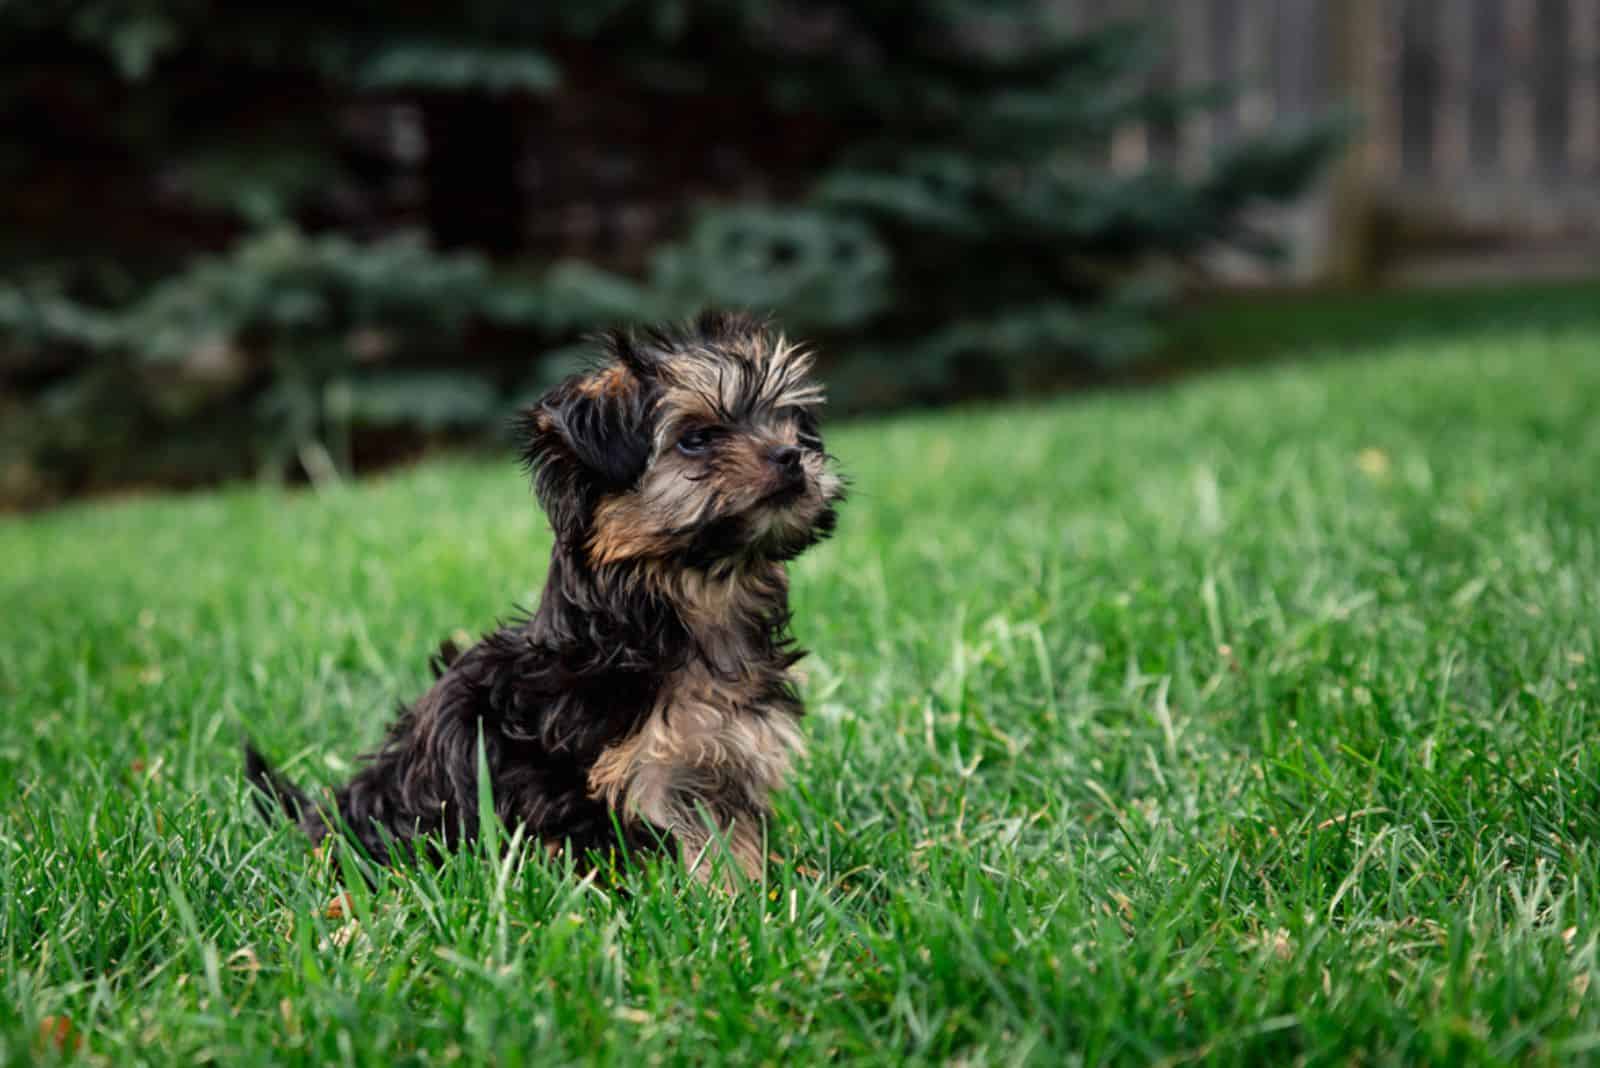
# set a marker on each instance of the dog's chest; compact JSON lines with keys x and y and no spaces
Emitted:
{"x":706,"y":730}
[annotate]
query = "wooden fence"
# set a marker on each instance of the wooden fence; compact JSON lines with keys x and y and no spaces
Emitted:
{"x":1481,"y":118}
{"x":1479,"y":147}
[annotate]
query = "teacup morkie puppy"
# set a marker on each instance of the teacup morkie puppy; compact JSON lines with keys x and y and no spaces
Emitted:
{"x":648,"y":699}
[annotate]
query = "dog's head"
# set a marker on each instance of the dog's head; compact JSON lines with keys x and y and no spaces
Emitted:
{"x":697,"y":447}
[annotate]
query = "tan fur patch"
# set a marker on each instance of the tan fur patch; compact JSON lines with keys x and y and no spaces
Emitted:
{"x":620,"y":532}
{"x":779,"y":368}
{"x":612,"y":381}
{"x":707,"y":603}
{"x":702,"y":738}
{"x":633,"y":525}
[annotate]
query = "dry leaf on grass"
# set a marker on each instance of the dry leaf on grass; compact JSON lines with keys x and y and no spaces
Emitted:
{"x":57,"y":1033}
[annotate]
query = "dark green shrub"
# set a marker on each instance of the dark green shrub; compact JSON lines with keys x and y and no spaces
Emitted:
{"x":239,"y":237}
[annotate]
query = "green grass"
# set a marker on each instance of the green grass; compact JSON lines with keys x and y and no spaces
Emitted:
{"x":1230,"y":330}
{"x":1252,"y":720}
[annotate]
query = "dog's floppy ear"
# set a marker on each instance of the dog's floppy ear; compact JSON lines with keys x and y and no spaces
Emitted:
{"x":587,"y":437}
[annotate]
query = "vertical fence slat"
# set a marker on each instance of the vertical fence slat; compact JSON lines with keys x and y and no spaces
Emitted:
{"x":1196,"y":132}
{"x":1519,"y":149}
{"x":1301,"y":46}
{"x":1552,"y":85}
{"x":1452,"y":131}
{"x":1384,"y":103}
{"x":1418,"y":86}
{"x":1361,"y":78}
{"x":1252,"y":64}
{"x":1130,"y":145}
{"x":1583,"y":148}
{"x":1222,"y":41}
{"x":1162,"y":134}
{"x":1488,"y":65}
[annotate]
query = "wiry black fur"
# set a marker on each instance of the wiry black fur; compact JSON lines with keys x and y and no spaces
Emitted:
{"x":549,"y":692}
{"x":579,"y":447}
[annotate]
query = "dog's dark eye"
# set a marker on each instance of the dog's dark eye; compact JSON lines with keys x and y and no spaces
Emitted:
{"x":695,"y":442}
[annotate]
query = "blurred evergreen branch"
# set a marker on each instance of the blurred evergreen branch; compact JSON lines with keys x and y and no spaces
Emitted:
{"x":238,"y":234}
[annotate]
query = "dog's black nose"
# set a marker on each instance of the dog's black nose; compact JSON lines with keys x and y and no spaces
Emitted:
{"x":787,"y":459}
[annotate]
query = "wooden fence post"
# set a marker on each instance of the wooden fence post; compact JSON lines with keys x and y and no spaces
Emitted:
{"x":1358,"y":70}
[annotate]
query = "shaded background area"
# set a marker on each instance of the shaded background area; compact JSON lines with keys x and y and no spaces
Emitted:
{"x":245,"y":240}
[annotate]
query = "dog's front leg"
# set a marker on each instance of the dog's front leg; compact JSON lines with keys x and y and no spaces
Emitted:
{"x":712,"y":846}
{"x":717,"y":826}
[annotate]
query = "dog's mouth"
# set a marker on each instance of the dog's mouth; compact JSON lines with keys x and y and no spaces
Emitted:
{"x":786,"y":492}
{"x":778,"y":525}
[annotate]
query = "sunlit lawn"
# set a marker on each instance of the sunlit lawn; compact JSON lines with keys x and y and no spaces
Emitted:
{"x":1250,"y":719}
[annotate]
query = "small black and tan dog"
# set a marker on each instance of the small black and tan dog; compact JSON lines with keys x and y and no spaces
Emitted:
{"x":650,"y":693}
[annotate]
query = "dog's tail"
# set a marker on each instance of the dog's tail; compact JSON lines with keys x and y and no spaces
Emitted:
{"x":274,"y":793}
